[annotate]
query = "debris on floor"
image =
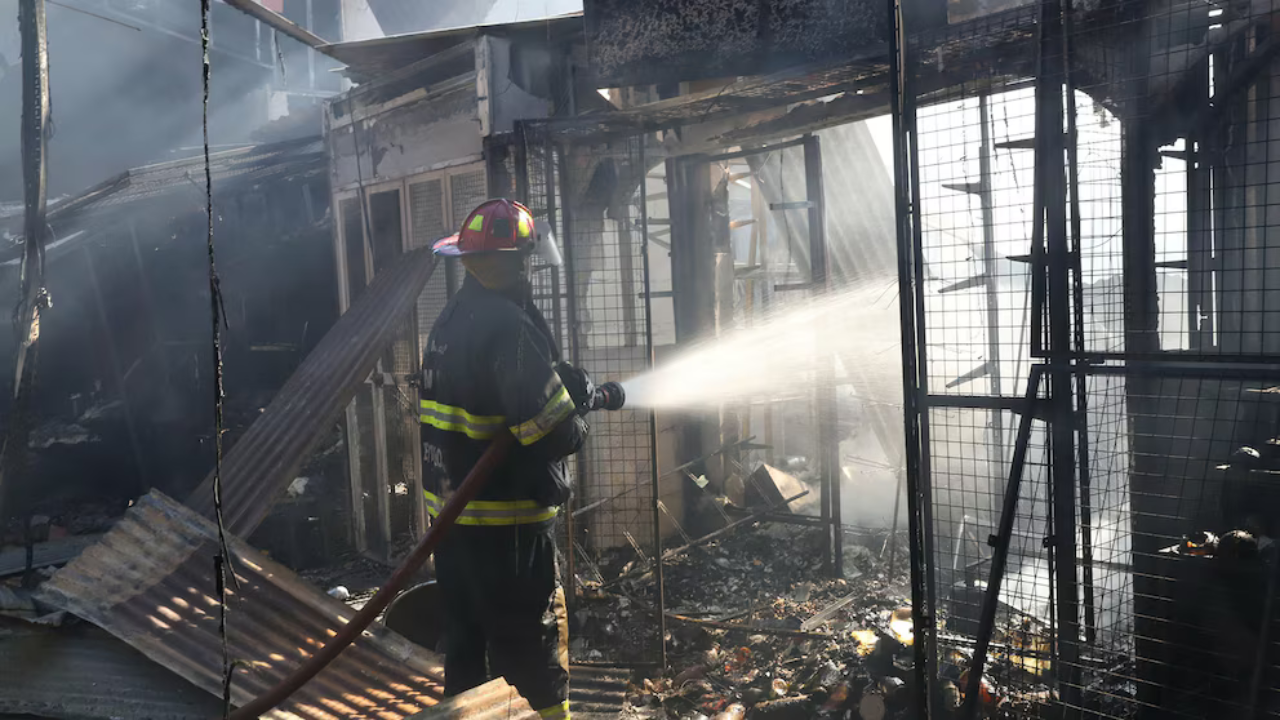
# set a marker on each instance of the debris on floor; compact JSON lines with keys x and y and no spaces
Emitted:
{"x":757,"y":629}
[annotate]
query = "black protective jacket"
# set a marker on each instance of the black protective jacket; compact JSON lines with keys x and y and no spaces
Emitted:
{"x":489,"y":367}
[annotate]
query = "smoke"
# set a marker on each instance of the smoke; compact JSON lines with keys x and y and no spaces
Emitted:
{"x":124,"y":97}
{"x":783,"y":357}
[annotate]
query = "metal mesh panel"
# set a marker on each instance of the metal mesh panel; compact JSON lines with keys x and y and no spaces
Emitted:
{"x":466,"y":191}
{"x":1151,"y":246}
{"x":968,"y":489}
{"x":604,"y":247}
{"x":604,"y":250}
{"x":596,"y":304}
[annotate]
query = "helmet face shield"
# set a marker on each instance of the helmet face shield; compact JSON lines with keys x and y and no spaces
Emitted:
{"x":545,"y":248}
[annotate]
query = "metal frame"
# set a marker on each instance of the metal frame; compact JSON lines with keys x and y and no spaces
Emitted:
{"x":824,"y":400}
{"x":532,"y":137}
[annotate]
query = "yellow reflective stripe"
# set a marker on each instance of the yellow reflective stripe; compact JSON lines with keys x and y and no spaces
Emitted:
{"x":556,"y":712}
{"x":477,"y":223}
{"x":490,"y":504}
{"x":503,"y":521}
{"x":492,"y":513}
{"x":459,"y":412}
{"x":559,"y":407}
{"x":471,"y":432}
{"x":455,"y":419}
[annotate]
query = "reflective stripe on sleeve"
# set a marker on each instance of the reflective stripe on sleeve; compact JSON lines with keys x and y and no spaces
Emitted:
{"x":559,"y":407}
{"x":455,"y":419}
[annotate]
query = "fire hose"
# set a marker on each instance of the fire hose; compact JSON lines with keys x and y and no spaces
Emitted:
{"x":608,"y":396}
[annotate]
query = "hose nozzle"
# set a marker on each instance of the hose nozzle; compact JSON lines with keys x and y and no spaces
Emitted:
{"x":608,"y":396}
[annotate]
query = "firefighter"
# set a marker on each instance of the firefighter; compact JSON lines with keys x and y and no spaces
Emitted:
{"x":491,"y":366}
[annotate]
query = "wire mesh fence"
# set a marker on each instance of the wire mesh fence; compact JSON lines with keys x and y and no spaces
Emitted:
{"x":597,"y":304}
{"x":1138,"y":580}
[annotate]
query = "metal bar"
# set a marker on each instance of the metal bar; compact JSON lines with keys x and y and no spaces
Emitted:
{"x":1038,"y":280}
{"x":1049,"y":162}
{"x":571,"y":298}
{"x":1000,"y":556}
{"x":756,"y":151}
{"x":977,"y":402}
{"x":1257,"y":681}
{"x":381,"y":484}
{"x":1078,"y":324}
{"x":281,"y":24}
{"x":521,"y":159}
{"x":796,"y":205}
{"x":787,"y":287}
{"x":627,"y":277}
{"x":1199,"y":249}
{"x":989,"y":274}
{"x":653,"y":421}
{"x":1262,"y":373}
{"x":549,"y":177}
{"x":828,"y":441}
{"x":893,"y":528}
{"x":914,"y":386}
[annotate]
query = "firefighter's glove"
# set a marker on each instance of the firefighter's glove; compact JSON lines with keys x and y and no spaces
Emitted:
{"x":578,"y":383}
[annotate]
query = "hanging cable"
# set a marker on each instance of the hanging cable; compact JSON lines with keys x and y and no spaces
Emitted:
{"x":223,"y":559}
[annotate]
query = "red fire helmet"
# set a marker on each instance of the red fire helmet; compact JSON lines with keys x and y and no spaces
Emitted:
{"x":495,"y":226}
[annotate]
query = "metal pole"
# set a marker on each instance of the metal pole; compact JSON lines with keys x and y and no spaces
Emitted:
{"x":1000,"y":554}
{"x":653,"y":422}
{"x":1077,"y":294}
{"x":549,"y":177}
{"x":989,"y":273}
{"x":819,"y":275}
{"x":913,"y":389}
{"x":34,"y":298}
{"x":1049,"y":158}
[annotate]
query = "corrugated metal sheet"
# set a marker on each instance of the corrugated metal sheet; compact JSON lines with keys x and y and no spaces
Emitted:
{"x":150,"y":583}
{"x":83,"y":672}
{"x":495,"y":700}
{"x":597,"y":692}
{"x":262,"y":463}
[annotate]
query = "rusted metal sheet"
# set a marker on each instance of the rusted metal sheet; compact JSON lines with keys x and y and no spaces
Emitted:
{"x":264,"y":461}
{"x":150,"y":583}
{"x":83,"y":672}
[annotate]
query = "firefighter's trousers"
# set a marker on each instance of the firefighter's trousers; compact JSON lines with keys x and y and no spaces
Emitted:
{"x":504,"y":604}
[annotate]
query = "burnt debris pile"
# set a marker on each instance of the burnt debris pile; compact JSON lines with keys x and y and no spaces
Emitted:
{"x":758,"y":628}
